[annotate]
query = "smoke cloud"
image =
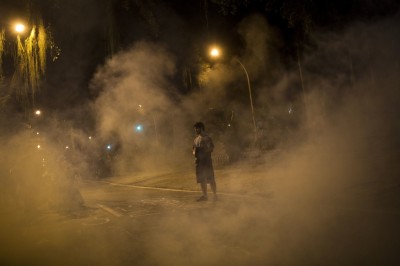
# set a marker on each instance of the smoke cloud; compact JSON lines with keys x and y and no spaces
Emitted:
{"x":331,"y":189}
{"x":326,"y":191}
{"x":137,"y":103}
{"x":327,"y":179}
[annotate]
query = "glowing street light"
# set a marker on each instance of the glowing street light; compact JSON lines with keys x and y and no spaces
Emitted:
{"x":38,"y":112}
{"x":19,"y":28}
{"x":215,"y":52}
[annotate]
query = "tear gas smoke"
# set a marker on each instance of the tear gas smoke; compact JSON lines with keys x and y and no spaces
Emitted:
{"x":135,"y":90}
{"x":36,"y":173}
{"x":334,"y":186}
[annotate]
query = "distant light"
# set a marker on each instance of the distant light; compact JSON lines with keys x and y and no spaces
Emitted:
{"x":38,"y":146}
{"x":19,"y":28}
{"x":229,"y":125}
{"x":90,"y":137}
{"x":37,"y":133}
{"x":290,"y":110}
{"x":38,"y":112}
{"x":139,"y":128}
{"x":140,"y":109}
{"x":109,"y":147}
{"x":214,"y":52}
{"x":67,"y":147}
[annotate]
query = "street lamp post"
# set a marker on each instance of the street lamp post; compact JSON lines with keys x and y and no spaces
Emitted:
{"x":215,"y":52}
{"x":250,"y":96}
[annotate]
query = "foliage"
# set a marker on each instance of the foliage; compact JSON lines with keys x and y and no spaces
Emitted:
{"x":302,"y":15}
{"x":29,"y":59}
{"x":230,"y":7}
{"x":30,"y":63}
{"x":2,"y":41}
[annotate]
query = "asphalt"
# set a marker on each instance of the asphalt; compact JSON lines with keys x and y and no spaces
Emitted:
{"x":240,"y":180}
{"x":257,"y":181}
{"x":152,"y":218}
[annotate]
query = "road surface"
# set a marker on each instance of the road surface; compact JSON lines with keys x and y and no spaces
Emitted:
{"x":122,"y":224}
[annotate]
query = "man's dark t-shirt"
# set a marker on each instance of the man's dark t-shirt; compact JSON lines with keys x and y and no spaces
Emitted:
{"x":202,"y":148}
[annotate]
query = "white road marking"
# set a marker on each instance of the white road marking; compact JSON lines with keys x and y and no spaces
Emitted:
{"x":181,"y":190}
{"x":108,"y":209}
{"x":152,"y":188}
{"x":353,"y":209}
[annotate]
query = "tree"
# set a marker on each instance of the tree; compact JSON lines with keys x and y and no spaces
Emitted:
{"x":29,"y":53}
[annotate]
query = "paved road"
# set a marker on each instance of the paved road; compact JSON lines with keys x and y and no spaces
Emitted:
{"x":128,"y":225}
{"x":119,"y":225}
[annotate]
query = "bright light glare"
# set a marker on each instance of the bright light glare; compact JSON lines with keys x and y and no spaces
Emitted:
{"x":290,"y":110}
{"x":139,"y":128}
{"x":20,"y":28}
{"x":109,"y":147}
{"x":214,"y":52}
{"x":38,"y":112}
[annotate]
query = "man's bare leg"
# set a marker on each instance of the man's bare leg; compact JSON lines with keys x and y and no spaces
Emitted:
{"x":203,"y":186}
{"x":213,"y":186}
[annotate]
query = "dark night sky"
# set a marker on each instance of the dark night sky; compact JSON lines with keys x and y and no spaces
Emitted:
{"x":80,"y":29}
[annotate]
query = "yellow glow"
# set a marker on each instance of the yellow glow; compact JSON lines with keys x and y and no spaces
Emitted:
{"x":19,"y":28}
{"x":214,"y":52}
{"x":38,"y":112}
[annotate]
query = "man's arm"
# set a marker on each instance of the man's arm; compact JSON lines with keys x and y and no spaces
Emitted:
{"x":209,"y":147}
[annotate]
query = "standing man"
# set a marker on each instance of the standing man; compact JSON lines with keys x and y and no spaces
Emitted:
{"x":202,"y":148}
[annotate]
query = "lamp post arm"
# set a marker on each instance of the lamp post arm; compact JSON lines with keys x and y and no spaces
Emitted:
{"x":251,"y":98}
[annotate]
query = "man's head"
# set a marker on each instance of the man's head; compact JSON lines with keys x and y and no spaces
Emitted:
{"x":199,"y":127}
